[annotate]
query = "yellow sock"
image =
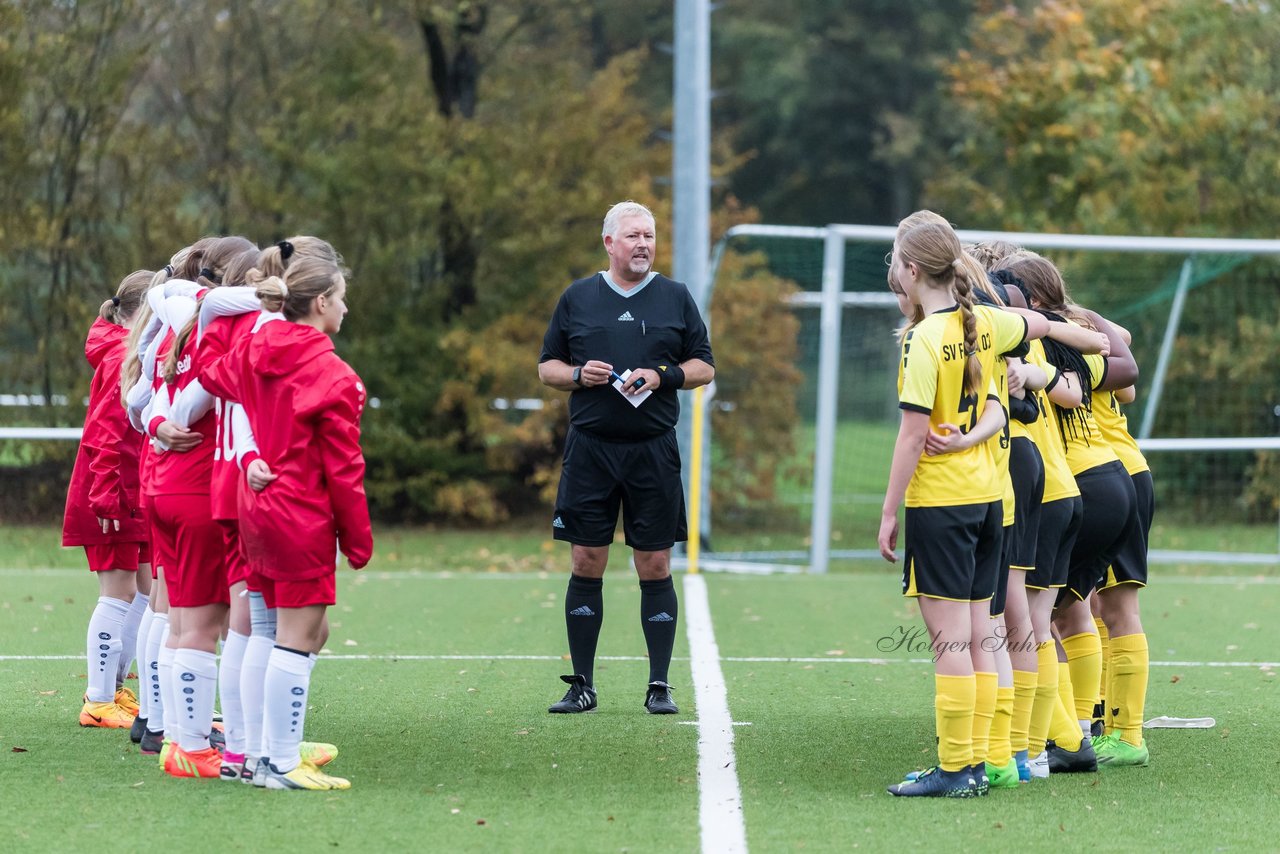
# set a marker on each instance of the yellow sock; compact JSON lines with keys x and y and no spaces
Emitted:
{"x":1064,"y":728}
{"x":953,"y":701}
{"x":984,"y":710}
{"x":1000,"y":751}
{"x":1024,"y":695}
{"x":1046,"y":697}
{"x":1130,"y":669}
{"x":1084,"y":660}
{"x":1105,"y":637}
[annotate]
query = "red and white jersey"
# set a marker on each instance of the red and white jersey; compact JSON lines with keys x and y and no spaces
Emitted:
{"x":215,"y":342}
{"x":303,"y":404}
{"x":104,"y":482}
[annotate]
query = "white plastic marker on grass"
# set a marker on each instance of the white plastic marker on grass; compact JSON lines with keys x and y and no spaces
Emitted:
{"x":719,"y":796}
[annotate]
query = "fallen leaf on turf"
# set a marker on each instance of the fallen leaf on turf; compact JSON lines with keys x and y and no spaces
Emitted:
{"x":610,"y":818}
{"x":999,"y":825}
{"x":454,"y":811}
{"x":479,"y":821}
{"x":522,"y":732}
{"x":48,"y":693}
{"x":136,"y":785}
{"x":1175,"y":679}
{"x":19,"y":750}
{"x":349,"y":642}
{"x":835,"y":652}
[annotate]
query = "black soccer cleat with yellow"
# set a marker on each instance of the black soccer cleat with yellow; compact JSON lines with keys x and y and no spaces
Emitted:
{"x":1080,"y":761}
{"x":580,"y":697}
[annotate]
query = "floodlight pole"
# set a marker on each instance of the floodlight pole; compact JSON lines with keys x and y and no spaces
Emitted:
{"x":691,"y":182}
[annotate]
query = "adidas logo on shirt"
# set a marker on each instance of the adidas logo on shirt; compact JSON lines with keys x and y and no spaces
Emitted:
{"x":664,"y":617}
{"x":583,"y":611}
{"x":626,"y":315}
{"x":557,"y":523}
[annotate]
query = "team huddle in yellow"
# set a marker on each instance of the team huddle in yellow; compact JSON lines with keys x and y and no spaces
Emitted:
{"x":1028,"y":507}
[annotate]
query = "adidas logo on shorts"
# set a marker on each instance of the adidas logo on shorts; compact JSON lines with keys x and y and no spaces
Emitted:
{"x":557,"y":523}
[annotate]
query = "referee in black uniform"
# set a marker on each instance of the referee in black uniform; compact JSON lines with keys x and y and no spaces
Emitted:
{"x":617,"y":454}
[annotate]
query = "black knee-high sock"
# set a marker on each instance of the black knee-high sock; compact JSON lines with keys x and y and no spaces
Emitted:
{"x":583,"y":615}
{"x":658,"y":612}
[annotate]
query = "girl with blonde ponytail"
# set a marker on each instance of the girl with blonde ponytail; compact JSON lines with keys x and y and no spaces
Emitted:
{"x":953,"y":493}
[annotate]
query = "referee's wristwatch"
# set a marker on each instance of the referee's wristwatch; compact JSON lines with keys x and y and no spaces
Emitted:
{"x":577,"y":376}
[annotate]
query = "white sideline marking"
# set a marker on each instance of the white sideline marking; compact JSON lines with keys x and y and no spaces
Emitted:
{"x":325,"y":656}
{"x":719,"y":795}
{"x":542,"y":575}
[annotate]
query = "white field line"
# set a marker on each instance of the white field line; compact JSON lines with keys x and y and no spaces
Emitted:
{"x":762,"y":659}
{"x":542,"y":575}
{"x":719,"y":795}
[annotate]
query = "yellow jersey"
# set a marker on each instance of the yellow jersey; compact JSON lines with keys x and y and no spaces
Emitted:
{"x":1059,"y":483}
{"x":931,"y":381}
{"x":1086,"y":446}
{"x":1115,"y":429}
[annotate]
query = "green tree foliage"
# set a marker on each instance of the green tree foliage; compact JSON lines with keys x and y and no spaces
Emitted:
{"x":1152,"y":117}
{"x":838,"y":105}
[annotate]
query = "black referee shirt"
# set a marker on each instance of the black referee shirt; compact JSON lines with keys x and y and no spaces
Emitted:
{"x":656,"y":324}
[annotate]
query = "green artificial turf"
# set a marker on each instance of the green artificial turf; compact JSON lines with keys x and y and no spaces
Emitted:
{"x":460,"y":754}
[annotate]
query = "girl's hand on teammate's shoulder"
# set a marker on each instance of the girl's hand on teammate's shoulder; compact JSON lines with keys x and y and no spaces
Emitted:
{"x":107,"y":524}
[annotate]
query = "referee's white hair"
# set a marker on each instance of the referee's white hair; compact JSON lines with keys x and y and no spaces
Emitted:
{"x":620,"y":210}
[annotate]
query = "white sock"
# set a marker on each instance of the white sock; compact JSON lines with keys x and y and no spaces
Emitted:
{"x":140,"y":653}
{"x":229,"y":676}
{"x":196,"y":677}
{"x":253,"y":672}
{"x":155,"y":690}
{"x":103,"y":646}
{"x":165,"y":661}
{"x":129,"y":635}
{"x":285,"y":711}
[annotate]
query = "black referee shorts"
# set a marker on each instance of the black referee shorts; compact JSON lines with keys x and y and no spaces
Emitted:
{"x":641,"y":477}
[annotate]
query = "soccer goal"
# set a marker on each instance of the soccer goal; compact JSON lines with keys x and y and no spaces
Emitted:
{"x":1205,"y":319}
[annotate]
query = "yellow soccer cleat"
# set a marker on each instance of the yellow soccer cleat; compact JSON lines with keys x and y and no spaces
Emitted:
{"x":109,"y":715}
{"x":196,"y":763}
{"x":126,"y":699}
{"x":305,"y":776}
{"x":318,"y":753}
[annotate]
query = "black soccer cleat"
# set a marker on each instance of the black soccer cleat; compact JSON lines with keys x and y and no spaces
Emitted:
{"x":936,"y":783}
{"x":1063,"y":761}
{"x":151,"y":742}
{"x":981,"y":782}
{"x":657,"y":700}
{"x":218,"y":740}
{"x":580,"y":697}
{"x":138,"y":730}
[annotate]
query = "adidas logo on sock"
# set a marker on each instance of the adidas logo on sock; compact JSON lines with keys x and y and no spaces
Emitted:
{"x":583,"y":611}
{"x":626,"y":315}
{"x":557,"y":523}
{"x":664,"y":617}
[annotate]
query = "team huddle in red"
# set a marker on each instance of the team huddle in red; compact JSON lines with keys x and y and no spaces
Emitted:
{"x":218,"y":481}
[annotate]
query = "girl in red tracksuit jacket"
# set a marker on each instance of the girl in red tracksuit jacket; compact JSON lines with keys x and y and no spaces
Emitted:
{"x":102,"y":514}
{"x":303,"y":404}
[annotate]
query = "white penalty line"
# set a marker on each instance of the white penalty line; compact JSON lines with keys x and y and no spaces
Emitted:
{"x":719,"y":794}
{"x":366,"y":575}
{"x":325,"y":655}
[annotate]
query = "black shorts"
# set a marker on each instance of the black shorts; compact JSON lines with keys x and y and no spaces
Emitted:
{"x":1026,"y":468}
{"x":1059,"y":524}
{"x":642,"y":477}
{"x":1130,"y":563}
{"x":952,"y":552}
{"x":1109,"y":520}
{"x":1002,"y":575}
